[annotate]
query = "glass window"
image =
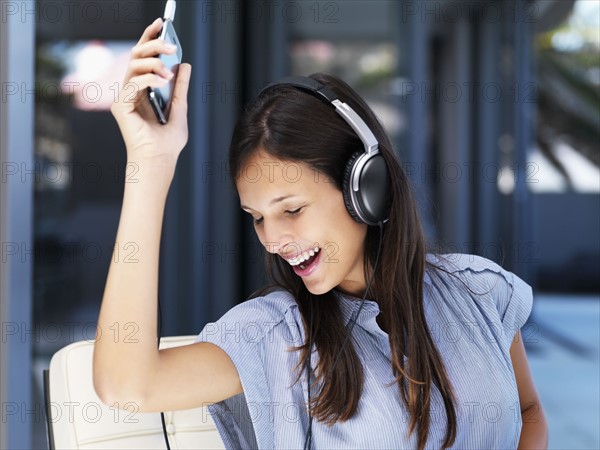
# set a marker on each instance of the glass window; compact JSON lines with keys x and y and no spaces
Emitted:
{"x":568,"y":113}
{"x":567,"y":151}
{"x":79,"y":162}
{"x":357,"y":42}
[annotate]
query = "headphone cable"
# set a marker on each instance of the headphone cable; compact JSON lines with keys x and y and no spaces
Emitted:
{"x":162,"y":414}
{"x":308,"y":439}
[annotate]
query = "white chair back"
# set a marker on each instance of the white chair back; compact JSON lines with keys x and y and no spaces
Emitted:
{"x":77,"y":418}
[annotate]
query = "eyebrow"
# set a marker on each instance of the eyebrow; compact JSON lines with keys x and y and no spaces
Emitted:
{"x":274,"y":201}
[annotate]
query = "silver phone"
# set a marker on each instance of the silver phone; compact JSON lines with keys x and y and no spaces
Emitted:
{"x":160,"y":98}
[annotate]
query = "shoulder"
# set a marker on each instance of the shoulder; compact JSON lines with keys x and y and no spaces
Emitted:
{"x":459,"y":262}
{"x":475,"y":271}
{"x":251,"y":320}
{"x":270,"y":307}
{"x":486,"y":283}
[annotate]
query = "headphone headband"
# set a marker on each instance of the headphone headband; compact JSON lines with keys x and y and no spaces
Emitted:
{"x":307,"y":84}
{"x":327,"y":95}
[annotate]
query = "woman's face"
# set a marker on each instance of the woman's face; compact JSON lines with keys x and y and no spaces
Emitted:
{"x":297,"y":210}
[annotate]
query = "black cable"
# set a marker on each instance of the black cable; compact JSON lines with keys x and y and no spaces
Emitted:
{"x":355,"y":318}
{"x":162,"y":414}
{"x":308,"y":439}
{"x":164,"y":427}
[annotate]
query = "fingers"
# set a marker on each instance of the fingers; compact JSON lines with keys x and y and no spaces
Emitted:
{"x":148,"y":65}
{"x":143,"y":54}
{"x":134,"y":91}
{"x":144,"y":69}
{"x":180,"y":91}
{"x":151,"y":31}
{"x":141,"y":82}
{"x":152,"y":48}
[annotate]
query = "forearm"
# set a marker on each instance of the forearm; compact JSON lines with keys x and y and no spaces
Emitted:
{"x":125,"y":351}
{"x":534,"y":433}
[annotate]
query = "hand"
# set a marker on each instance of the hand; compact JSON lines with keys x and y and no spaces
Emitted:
{"x":145,"y":138}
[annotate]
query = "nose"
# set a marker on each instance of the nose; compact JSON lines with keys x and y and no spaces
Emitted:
{"x":275,"y":236}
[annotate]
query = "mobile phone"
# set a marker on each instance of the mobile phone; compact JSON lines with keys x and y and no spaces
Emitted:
{"x":160,"y":98}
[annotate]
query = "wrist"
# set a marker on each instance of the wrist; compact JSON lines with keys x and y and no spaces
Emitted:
{"x":150,"y":176}
{"x":162,"y":166}
{"x":151,"y":158}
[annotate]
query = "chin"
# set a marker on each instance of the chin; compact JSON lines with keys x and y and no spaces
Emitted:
{"x":318,"y":289}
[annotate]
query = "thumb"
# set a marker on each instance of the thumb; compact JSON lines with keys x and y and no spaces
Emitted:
{"x":180,"y":92}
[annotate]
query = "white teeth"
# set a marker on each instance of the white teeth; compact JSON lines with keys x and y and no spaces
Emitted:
{"x":303,"y":257}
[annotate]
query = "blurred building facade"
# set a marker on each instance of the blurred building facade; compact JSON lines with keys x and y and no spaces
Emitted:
{"x":493,"y":107}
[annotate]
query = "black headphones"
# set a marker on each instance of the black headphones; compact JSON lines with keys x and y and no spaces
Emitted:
{"x":366,"y":178}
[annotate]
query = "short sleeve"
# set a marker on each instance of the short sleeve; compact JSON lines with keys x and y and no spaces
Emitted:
{"x":241,"y":334}
{"x":494,"y":288}
{"x":514,"y":304}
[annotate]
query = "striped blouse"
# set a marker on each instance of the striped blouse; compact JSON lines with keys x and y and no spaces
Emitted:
{"x":472,"y":327}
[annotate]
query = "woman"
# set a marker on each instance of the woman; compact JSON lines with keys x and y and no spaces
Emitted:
{"x":435,"y":357}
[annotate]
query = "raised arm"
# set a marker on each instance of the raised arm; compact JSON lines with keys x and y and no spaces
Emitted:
{"x":127,"y":364}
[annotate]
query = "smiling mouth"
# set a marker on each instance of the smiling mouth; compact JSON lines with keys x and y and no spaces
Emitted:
{"x":305,"y":259}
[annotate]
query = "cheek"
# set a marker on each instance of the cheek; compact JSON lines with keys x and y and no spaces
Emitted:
{"x":345,"y":238}
{"x":340,"y":227}
{"x":262,"y":238}
{"x":354,"y":234}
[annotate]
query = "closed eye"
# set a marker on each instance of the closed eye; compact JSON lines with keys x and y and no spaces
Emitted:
{"x":294,"y":212}
{"x":259,"y":221}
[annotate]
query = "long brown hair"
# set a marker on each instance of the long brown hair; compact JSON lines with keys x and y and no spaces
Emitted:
{"x":292,"y":125}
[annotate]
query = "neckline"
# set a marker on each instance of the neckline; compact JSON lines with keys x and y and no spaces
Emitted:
{"x":350,"y":305}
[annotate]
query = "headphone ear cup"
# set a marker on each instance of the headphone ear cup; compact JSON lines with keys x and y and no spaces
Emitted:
{"x":347,"y":187}
{"x":370,"y":203}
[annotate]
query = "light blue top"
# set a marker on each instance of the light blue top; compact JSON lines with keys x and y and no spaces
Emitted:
{"x":472,"y":330}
